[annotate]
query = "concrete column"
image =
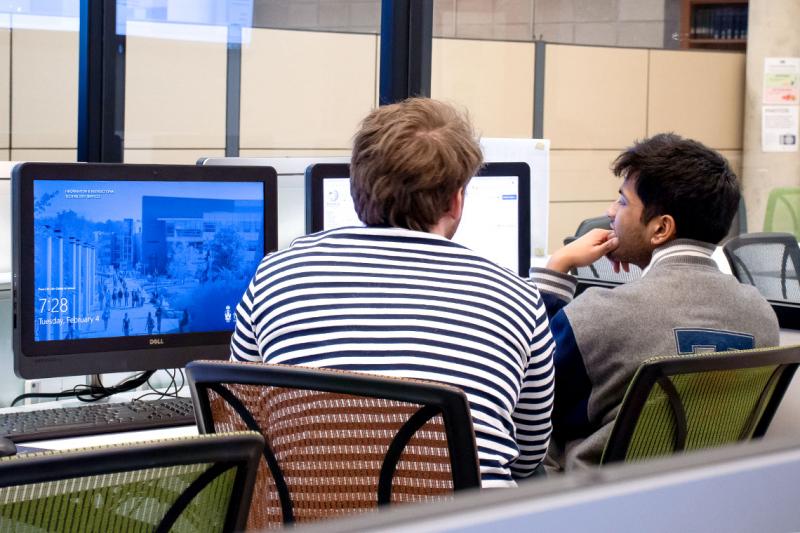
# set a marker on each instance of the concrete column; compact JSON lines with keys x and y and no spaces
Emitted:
{"x":772,"y":32}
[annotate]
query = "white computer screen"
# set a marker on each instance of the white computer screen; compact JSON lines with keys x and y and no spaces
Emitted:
{"x":338,"y":209}
{"x":489,"y":224}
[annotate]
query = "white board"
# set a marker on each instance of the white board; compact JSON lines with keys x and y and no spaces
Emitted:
{"x":535,"y":152}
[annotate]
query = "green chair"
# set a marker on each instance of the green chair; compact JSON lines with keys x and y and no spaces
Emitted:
{"x":687,"y":402}
{"x":783,"y":211}
{"x":194,"y":484}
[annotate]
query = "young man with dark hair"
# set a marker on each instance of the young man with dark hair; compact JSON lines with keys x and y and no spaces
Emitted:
{"x":677,"y":201}
{"x":398,"y":297}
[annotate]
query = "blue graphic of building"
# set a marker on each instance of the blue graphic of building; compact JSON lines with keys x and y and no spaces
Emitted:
{"x":194,"y":222}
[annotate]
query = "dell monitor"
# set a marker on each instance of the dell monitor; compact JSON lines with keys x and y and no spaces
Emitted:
{"x":133,"y":267}
{"x":495,"y":222}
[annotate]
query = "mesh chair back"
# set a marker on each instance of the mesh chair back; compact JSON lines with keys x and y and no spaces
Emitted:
{"x":603,"y":270}
{"x":339,"y":442}
{"x":601,"y":222}
{"x":768,"y":261}
{"x":181,"y":485}
{"x":688,"y":402}
{"x":783,"y":211}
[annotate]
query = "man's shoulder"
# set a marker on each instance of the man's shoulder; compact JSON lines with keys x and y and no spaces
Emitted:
{"x":602,"y":297}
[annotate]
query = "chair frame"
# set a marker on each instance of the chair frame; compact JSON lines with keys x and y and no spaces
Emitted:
{"x":240,"y":450}
{"x":789,"y":251}
{"x":437,"y":399}
{"x":657,"y":370}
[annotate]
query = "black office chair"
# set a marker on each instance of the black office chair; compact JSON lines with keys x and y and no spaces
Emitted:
{"x":768,"y":261}
{"x":602,"y":222}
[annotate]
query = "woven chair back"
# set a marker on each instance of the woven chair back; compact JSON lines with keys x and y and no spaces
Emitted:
{"x":339,"y":442}
{"x":330,"y":449}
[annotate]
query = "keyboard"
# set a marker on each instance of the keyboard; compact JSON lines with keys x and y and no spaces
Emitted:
{"x":96,"y":418}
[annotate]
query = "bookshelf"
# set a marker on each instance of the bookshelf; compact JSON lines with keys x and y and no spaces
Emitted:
{"x":714,"y":24}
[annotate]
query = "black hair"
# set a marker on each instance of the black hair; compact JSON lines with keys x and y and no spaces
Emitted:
{"x":685,"y":179}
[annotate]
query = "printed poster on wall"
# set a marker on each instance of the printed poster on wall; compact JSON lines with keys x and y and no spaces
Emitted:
{"x":779,"y":128}
{"x":781,"y":80}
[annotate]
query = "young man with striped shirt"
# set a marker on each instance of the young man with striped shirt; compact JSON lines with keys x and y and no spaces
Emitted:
{"x":397,"y":297}
{"x":676,"y":203}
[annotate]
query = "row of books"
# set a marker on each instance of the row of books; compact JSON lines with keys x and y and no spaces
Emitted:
{"x":719,"y":22}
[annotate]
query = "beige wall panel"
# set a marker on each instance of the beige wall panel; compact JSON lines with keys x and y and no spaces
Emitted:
{"x":44,"y":78}
{"x":493,"y":80}
{"x":5,"y":155}
{"x":69,"y":155}
{"x":698,"y":95}
{"x":305,"y":89}
{"x":5,"y":88}
{"x":582,"y":175}
{"x":169,"y":157}
{"x":305,"y":152}
{"x":595,"y":98}
{"x":174,"y":94}
{"x":565,"y":217}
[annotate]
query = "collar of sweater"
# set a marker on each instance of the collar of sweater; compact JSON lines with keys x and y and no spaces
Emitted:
{"x":683,"y":251}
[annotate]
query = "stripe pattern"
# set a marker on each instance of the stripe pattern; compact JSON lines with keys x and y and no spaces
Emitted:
{"x":411,"y":304}
{"x":680,"y":248}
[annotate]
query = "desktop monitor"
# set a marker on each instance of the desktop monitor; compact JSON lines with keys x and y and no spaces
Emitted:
{"x":495,"y":222}
{"x":133,"y":267}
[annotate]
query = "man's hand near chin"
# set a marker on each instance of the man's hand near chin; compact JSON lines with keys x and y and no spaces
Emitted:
{"x":585,"y":250}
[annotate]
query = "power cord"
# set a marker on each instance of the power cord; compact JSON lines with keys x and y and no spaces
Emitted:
{"x":93,"y":393}
{"x":173,"y":384}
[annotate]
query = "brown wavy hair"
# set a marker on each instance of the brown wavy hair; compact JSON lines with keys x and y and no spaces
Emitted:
{"x":408,"y":161}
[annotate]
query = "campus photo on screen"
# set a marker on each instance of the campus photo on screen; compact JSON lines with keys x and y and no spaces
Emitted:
{"x":124,"y":258}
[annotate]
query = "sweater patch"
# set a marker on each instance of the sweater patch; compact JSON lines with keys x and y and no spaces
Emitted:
{"x":702,"y":340}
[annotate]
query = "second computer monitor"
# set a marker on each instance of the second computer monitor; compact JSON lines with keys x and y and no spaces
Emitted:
{"x":495,"y":223}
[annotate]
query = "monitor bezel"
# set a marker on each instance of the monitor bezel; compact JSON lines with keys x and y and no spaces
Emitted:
{"x":317,"y":174}
{"x":44,"y":359}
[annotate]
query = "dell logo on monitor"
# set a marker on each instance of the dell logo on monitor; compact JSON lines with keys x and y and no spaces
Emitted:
{"x":156,"y":341}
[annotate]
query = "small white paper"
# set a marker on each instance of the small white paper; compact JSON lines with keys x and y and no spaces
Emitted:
{"x":779,"y":128}
{"x":781,"y":80}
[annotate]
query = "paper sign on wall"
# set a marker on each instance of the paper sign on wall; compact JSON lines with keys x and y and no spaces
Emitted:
{"x":781,"y":80}
{"x":779,"y":128}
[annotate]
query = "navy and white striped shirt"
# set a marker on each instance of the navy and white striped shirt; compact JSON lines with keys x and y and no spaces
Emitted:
{"x":411,"y":304}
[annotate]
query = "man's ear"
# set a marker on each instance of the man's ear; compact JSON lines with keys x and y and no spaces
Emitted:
{"x":662,"y":230}
{"x":456,"y":204}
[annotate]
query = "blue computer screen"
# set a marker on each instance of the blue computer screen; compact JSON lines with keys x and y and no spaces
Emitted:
{"x":127,"y":258}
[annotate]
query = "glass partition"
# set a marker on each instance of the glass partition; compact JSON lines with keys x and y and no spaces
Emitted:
{"x":39,"y":80}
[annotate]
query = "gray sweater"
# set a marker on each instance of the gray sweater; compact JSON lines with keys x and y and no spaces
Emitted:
{"x":683,"y":304}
